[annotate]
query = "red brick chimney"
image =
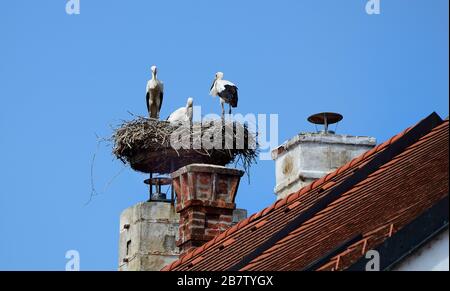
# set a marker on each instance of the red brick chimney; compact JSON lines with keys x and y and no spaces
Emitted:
{"x":205,"y":201}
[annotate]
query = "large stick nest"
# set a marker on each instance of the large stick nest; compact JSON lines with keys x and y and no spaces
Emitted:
{"x":145,"y":144}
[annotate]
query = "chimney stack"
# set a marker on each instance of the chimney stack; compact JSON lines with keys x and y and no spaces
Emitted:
{"x":148,"y":233}
{"x":205,"y":201}
{"x":310,"y":156}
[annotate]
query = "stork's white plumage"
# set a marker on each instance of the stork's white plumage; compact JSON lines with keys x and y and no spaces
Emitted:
{"x":155,"y":93}
{"x":183,"y":114}
{"x":227,"y":91}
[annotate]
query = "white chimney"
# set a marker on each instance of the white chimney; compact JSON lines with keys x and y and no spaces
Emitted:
{"x":310,"y":156}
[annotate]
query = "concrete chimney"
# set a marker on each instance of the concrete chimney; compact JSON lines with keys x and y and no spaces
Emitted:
{"x":310,"y":156}
{"x":148,"y":234}
{"x":205,"y":202}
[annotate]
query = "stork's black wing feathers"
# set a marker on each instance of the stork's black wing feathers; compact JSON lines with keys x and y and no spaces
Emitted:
{"x":147,"y":98}
{"x":230,"y":95}
{"x":161,"y":97}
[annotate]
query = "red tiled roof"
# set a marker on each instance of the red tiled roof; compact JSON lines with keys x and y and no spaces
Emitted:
{"x":388,"y":198}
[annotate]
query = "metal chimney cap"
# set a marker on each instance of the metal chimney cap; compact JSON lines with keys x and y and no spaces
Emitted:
{"x":325,"y":118}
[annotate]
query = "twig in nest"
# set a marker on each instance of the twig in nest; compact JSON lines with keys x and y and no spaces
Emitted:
{"x":150,"y":139}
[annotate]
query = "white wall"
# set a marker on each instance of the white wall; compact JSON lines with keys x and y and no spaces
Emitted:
{"x":431,"y":257}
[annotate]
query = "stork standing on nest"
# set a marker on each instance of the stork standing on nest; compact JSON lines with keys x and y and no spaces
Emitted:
{"x":183,"y":114}
{"x":227,"y":92}
{"x":155,"y":93}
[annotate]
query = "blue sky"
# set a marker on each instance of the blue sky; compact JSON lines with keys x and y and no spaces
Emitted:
{"x":65,"y":79}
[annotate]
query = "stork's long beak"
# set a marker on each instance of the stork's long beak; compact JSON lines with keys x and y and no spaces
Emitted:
{"x":212,"y":85}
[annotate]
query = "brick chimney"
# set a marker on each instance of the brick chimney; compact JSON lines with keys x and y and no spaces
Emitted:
{"x":205,"y":202}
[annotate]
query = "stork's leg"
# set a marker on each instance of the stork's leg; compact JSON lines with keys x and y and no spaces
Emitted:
{"x":157,"y":108}
{"x":152,"y":109}
{"x":149,"y":109}
{"x":223,"y":109}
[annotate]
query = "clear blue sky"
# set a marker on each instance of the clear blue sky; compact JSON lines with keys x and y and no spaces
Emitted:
{"x":64,"y":79}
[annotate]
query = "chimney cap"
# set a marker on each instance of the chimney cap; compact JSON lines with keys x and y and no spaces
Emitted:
{"x":325,"y":118}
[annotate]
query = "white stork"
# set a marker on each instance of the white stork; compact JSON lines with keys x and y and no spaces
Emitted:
{"x":154,"y":96}
{"x":183,"y":114}
{"x":227,"y":91}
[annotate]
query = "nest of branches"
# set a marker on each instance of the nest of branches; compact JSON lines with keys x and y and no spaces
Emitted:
{"x":154,"y":146}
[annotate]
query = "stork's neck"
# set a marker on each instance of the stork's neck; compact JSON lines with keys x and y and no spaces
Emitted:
{"x":215,"y":83}
{"x":153,"y":76}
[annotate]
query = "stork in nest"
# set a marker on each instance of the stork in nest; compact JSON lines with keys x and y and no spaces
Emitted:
{"x":183,"y":114}
{"x":155,"y":93}
{"x":227,"y":92}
